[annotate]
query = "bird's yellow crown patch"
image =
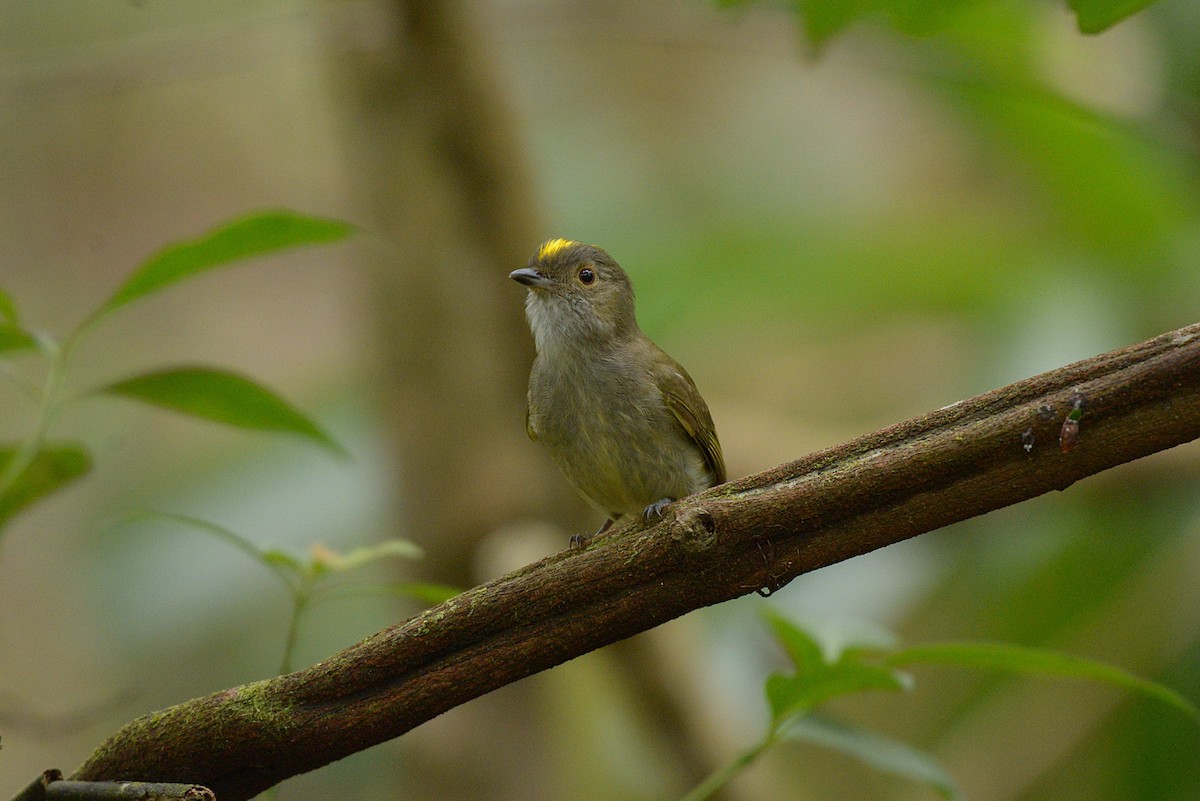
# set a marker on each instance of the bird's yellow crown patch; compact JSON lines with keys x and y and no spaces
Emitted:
{"x":548,"y":249}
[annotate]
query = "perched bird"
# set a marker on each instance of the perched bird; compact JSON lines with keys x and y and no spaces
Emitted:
{"x":622,"y":419}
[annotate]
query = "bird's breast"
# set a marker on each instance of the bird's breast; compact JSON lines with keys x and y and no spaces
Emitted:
{"x":613,"y":437}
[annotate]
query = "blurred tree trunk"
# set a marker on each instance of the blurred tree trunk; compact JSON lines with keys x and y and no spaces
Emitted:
{"x":444,"y":181}
{"x":441,"y":177}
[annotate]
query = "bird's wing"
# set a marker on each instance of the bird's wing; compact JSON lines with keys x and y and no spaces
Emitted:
{"x":683,"y":399}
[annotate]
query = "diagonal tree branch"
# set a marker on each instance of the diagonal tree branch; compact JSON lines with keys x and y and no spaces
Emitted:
{"x":756,"y":533}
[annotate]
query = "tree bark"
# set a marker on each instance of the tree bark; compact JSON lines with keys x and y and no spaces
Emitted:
{"x":755,"y":533}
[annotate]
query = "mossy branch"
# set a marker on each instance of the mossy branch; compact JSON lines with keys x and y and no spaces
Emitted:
{"x":753,"y":534}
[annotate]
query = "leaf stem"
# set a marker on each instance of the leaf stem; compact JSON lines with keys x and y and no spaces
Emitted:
{"x":720,"y":778}
{"x":48,"y":408}
{"x":301,"y":595}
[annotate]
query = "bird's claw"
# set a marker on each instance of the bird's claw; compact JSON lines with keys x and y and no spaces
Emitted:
{"x":579,"y":541}
{"x":656,"y":509}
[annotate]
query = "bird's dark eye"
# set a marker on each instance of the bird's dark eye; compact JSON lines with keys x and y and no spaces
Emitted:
{"x":587,"y":275}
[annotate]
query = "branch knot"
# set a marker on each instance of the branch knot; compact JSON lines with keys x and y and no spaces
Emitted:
{"x":695,"y":529}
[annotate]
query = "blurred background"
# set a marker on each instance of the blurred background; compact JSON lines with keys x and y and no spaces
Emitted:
{"x":831,"y":239}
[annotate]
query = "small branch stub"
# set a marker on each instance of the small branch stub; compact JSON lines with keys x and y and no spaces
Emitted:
{"x":36,"y":789}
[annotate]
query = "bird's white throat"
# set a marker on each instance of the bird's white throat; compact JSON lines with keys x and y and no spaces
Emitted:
{"x":556,"y":323}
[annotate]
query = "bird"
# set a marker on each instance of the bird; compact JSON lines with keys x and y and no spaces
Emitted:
{"x":622,"y":419}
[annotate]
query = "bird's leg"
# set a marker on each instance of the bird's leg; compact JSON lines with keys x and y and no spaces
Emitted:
{"x":656,"y":509}
{"x":579,"y":540}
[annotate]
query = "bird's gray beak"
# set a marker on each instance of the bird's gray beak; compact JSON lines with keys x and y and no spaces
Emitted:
{"x":530,"y":278}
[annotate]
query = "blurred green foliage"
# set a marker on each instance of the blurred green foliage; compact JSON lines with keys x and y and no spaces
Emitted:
{"x":902,"y":204}
{"x":29,"y":470}
{"x":825,"y":19}
{"x":822,"y":671}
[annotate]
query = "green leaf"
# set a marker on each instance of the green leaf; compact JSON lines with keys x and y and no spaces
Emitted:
{"x":255,"y":235}
{"x":1023,"y":659}
{"x":52,"y":468}
{"x":221,"y":396}
{"x":282,"y":558}
{"x":8,"y":309}
{"x":199,"y":524}
{"x":803,"y":691}
{"x":285,"y":567}
{"x":373,"y":553}
{"x":14,"y":338}
{"x":817,"y":680}
{"x":825,"y":19}
{"x":822,"y":20}
{"x":1096,"y":15}
{"x":882,"y":753}
{"x":802,"y":647}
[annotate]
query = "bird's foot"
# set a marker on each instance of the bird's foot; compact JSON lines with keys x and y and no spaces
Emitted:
{"x":656,"y":509}
{"x":578,"y":541}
